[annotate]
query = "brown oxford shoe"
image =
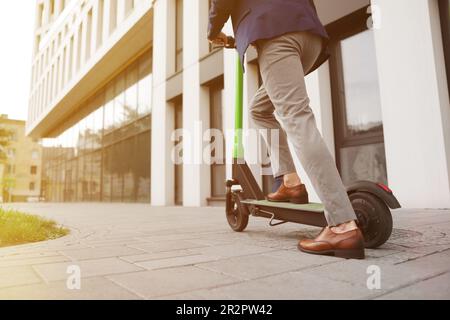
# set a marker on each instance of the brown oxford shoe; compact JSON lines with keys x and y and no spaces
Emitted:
{"x":349,"y":245}
{"x":297,"y":194}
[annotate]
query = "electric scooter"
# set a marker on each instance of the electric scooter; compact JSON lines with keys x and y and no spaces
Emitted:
{"x":244,"y":198}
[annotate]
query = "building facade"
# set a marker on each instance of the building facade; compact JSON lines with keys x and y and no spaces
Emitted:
{"x":113,"y":79}
{"x":20,"y":173}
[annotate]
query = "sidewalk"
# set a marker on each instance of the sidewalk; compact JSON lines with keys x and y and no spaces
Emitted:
{"x":132,"y":251}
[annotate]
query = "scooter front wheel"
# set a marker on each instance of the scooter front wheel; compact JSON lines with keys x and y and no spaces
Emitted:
{"x":237,"y":213}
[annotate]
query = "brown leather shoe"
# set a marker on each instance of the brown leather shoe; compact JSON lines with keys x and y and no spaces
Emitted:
{"x":349,"y":245}
{"x":297,"y":195}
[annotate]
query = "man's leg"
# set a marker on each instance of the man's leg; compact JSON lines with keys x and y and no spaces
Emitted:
{"x":262,"y":112}
{"x":281,"y":67}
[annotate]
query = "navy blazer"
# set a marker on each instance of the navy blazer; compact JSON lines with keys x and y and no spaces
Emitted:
{"x":265,"y":19}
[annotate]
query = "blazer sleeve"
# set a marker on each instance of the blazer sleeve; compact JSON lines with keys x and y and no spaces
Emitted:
{"x":218,"y":16}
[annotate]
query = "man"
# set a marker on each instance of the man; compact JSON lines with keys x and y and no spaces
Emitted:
{"x":291,"y":42}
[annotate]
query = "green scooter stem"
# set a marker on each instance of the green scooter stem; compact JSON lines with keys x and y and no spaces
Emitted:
{"x":238,"y":151}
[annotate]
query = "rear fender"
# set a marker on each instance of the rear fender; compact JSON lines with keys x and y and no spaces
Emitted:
{"x":379,"y":190}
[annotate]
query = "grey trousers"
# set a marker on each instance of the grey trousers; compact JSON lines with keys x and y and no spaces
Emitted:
{"x":282,"y":62}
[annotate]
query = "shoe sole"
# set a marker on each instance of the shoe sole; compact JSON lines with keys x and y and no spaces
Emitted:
{"x":295,"y":201}
{"x":357,"y":254}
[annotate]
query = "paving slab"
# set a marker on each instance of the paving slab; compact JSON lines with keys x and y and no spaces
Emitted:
{"x":17,"y":276}
{"x":101,"y":252}
{"x":233,"y":250}
{"x":152,"y":284}
{"x":435,"y":288}
{"x":89,"y":268}
{"x":266,"y":264}
{"x":32,"y":261}
{"x":163,"y":246}
{"x":286,"y":286}
{"x":189,"y":260}
{"x":158,"y":255}
{"x":93,"y":288}
{"x":28,"y":255}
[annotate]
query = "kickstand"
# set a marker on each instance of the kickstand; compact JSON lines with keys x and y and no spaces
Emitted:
{"x":272,"y":223}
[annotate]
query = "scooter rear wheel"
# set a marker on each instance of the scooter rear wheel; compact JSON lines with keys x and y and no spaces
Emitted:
{"x":374,"y":218}
{"x":237,"y":213}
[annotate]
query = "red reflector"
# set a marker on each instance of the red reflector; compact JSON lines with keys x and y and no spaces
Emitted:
{"x":385,"y":188}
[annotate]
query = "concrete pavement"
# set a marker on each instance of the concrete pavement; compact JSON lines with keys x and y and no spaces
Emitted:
{"x":134,"y":251}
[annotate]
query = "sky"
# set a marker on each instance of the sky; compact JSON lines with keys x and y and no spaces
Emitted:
{"x":16,"y":36}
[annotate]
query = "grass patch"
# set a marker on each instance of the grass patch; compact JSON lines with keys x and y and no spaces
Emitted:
{"x":20,"y":228}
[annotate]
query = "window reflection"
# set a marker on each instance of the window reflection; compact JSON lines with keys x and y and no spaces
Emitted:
{"x":109,"y":109}
{"x":367,"y":162}
{"x":107,"y":175}
{"x":119,"y":101}
{"x":145,"y":84}
{"x":362,"y":91}
{"x":106,"y":155}
{"x":96,"y":168}
{"x":131,"y":93}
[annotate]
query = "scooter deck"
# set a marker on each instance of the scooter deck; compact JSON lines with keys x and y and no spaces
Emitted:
{"x":311,"y":207}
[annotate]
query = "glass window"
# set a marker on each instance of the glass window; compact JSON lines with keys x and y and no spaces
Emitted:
{"x":131,"y":93}
{"x":218,"y":167}
{"x":65,"y":144}
{"x":50,"y":185}
{"x":71,"y":181}
{"x":119,"y":101}
{"x":75,"y":137}
{"x":98,"y":129}
{"x":356,"y":96}
{"x":145,"y":84}
{"x":96,"y":170}
{"x":361,"y":85}
{"x":179,"y":157}
{"x":89,"y":132}
{"x":61,"y":180}
{"x":35,"y":154}
{"x":129,"y":178}
{"x":107,"y":175}
{"x":87,"y":178}
{"x":80,"y":179}
{"x":70,"y":145}
{"x":11,"y":153}
{"x":142,"y":167}
{"x":55,"y":183}
{"x":33,"y":170}
{"x":81,"y":137}
{"x":109,"y":109}
{"x":366,"y":162}
{"x":117,"y":165}
{"x":179,"y":35}
{"x":14,"y":135}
